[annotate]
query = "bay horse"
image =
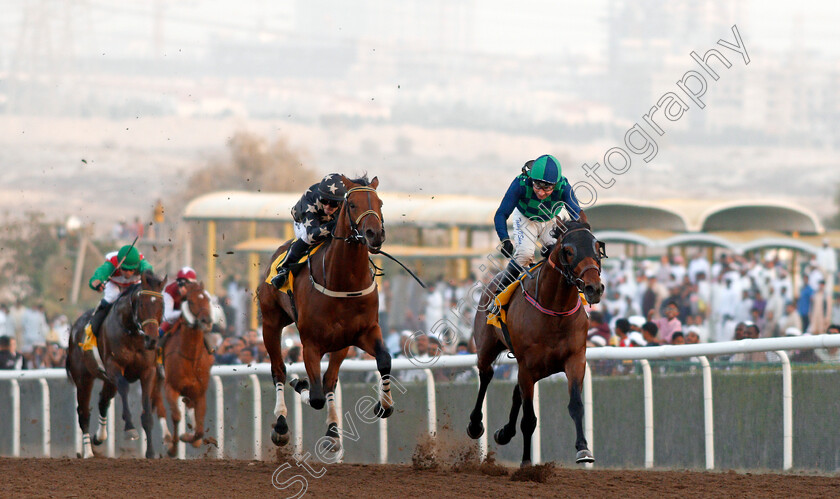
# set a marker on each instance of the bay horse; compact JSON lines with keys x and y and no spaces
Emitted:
{"x":126,"y":345}
{"x":548,"y":328}
{"x":335,"y":307}
{"x":187,"y":365}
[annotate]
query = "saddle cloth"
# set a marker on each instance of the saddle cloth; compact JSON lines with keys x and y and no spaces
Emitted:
{"x":503,"y":298}
{"x":289,"y":286}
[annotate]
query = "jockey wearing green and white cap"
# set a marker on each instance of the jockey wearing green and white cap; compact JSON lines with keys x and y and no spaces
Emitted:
{"x":534,"y":198}
{"x":121,"y":269}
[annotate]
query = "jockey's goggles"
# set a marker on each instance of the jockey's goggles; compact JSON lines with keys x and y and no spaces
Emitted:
{"x":182,"y":281}
{"x":543,"y":186}
{"x":332,"y":203}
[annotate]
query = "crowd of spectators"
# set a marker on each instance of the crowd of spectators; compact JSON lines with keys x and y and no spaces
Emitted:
{"x":28,"y":340}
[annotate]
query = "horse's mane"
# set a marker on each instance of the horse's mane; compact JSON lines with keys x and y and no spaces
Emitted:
{"x":576,"y":224}
{"x":363,"y":180}
{"x":153,"y":280}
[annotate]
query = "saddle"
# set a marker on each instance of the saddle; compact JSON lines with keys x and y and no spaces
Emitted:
{"x":503,"y":299}
{"x":294,"y":268}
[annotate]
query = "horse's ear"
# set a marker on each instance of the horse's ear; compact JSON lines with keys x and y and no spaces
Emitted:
{"x":165,"y":277}
{"x":346,"y":182}
{"x":583,"y":217}
{"x":375,"y":182}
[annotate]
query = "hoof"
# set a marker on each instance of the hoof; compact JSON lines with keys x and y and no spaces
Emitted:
{"x":475,"y":431}
{"x":525,"y":464}
{"x":332,"y":430}
{"x":584,"y":456}
{"x":382,"y":413}
{"x":501,"y":437}
{"x":171,"y":446}
{"x":95,"y":441}
{"x":335,"y":446}
{"x":299,"y":384}
{"x":132,"y":434}
{"x":279,"y":439}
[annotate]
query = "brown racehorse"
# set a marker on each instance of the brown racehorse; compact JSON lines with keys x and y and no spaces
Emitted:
{"x":126,"y":346}
{"x":331,"y":324}
{"x":548,"y":328}
{"x":187,"y":366}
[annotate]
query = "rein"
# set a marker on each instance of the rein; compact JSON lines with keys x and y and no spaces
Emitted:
{"x":568,"y":274}
{"x":150,"y":320}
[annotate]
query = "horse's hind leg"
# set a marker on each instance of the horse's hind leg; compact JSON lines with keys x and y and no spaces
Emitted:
{"x":105,"y":396}
{"x":486,"y":355}
{"x":529,"y":417}
{"x":575,"y":370}
{"x":122,"y":388}
{"x":330,"y":382}
{"x":371,"y":342}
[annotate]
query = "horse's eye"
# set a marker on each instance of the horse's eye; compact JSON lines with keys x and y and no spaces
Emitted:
{"x":352,"y":205}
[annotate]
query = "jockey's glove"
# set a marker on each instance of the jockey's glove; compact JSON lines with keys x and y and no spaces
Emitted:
{"x":507,"y":248}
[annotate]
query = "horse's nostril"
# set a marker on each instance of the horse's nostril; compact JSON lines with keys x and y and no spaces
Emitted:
{"x":603,"y":288}
{"x":369,"y":233}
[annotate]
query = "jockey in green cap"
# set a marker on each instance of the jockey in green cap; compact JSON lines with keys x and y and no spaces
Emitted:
{"x":121,"y":269}
{"x":534,"y":198}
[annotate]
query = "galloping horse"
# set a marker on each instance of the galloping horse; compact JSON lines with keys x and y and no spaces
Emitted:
{"x":548,"y":328}
{"x":335,"y":307}
{"x":187,"y":366}
{"x":126,"y":346}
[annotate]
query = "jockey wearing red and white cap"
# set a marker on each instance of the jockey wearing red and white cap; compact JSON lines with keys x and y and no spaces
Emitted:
{"x":172,"y":296}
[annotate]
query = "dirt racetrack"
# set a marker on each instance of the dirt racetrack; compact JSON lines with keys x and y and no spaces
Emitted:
{"x":109,"y":478}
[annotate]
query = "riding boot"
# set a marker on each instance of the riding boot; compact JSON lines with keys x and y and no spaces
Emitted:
{"x":162,"y":339}
{"x":295,"y":252}
{"x":98,"y":317}
{"x":508,"y":276}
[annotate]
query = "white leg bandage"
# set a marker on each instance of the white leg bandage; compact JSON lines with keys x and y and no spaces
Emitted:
{"x":102,"y":432}
{"x":304,"y":397}
{"x":332,"y":413}
{"x":164,"y":427}
{"x":385,"y":392}
{"x":280,"y":404}
{"x":87,"y":450}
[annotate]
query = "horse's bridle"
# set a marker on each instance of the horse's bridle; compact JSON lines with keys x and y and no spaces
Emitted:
{"x":355,"y":235}
{"x":568,"y":271}
{"x":140,"y":325}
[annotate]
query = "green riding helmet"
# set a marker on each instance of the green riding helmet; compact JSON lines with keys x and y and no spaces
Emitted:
{"x":129,"y":256}
{"x":546,"y":169}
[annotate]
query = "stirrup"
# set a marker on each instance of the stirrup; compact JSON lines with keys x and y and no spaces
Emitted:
{"x":280,"y":279}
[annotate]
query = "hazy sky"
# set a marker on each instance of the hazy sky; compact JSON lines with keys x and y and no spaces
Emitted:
{"x":533,"y":27}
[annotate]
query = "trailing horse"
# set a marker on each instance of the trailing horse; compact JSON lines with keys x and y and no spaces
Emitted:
{"x":547,"y":328}
{"x":335,"y":307}
{"x":187,"y":365}
{"x":126,"y":344}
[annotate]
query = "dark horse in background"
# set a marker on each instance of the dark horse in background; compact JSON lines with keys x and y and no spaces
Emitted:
{"x":548,"y":329}
{"x":187,"y":364}
{"x":331,"y":324}
{"x":126,"y":346}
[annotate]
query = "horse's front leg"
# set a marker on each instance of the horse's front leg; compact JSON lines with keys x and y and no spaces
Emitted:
{"x":272,"y":329}
{"x":311,"y":392}
{"x":105,"y":397}
{"x":170,"y":439}
{"x":147,"y":384}
{"x":122,"y":388}
{"x":575,"y":370}
{"x":330,"y":382}
{"x":371,"y":342}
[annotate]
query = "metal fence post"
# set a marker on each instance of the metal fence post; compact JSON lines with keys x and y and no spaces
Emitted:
{"x":15,"y":386}
{"x":648,"y":389}
{"x":708,"y":413}
{"x":218,"y":389}
{"x":588,"y":426}
{"x":45,"y":417}
{"x":787,"y":411}
{"x":257,"y":404}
